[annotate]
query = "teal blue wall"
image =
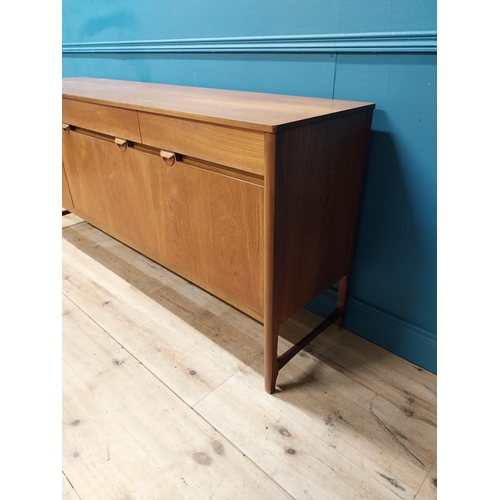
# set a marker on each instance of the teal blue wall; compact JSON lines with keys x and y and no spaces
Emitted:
{"x":382,"y":51}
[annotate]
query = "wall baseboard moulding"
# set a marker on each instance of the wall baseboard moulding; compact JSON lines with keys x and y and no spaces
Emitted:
{"x":394,"y":334}
{"x":399,"y":41}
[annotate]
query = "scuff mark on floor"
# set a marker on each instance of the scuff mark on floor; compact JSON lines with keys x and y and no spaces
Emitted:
{"x":393,"y":436}
{"x":392,"y":481}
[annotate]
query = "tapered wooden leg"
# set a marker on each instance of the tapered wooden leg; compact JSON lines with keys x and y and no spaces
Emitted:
{"x":341,"y":299}
{"x":271,"y":298}
{"x":271,"y":330}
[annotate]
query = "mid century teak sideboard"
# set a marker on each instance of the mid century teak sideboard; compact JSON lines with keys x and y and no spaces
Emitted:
{"x":253,"y":197}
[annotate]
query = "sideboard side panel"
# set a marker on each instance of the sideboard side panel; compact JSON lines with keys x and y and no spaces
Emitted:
{"x":318,"y":183}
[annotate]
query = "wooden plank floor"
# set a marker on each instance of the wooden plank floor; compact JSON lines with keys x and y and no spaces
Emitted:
{"x":163,"y":395}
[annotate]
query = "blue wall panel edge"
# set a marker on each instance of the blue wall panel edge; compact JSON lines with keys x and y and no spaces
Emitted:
{"x":411,"y":41}
{"x":395,"y":335}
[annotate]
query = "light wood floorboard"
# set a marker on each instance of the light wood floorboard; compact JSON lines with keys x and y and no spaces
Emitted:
{"x":163,"y":395}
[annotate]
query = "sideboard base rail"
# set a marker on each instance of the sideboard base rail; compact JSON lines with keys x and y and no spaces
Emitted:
{"x":273,"y":363}
{"x":295,"y":349}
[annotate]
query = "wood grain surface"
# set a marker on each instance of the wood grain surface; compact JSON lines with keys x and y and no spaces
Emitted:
{"x":251,"y":110}
{"x":232,"y":147}
{"x":211,"y":226}
{"x":170,"y":451}
{"x":318,"y":182}
{"x":67,"y":202}
{"x":118,"y":122}
{"x":112,"y":186}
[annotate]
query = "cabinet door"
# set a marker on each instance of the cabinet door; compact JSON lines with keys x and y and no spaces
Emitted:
{"x":112,"y":187}
{"x":211,"y":225}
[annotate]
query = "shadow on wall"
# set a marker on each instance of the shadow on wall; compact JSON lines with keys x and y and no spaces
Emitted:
{"x":390,"y":261}
{"x":392,"y":275}
{"x":107,"y":25}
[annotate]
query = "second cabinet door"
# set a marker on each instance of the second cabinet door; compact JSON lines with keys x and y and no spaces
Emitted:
{"x":211,"y":226}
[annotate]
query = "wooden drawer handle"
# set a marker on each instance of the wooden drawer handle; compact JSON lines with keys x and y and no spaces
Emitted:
{"x":122,"y":143}
{"x":168,"y":157}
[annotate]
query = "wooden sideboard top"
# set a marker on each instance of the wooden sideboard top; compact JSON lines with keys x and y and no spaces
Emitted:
{"x":249,"y":110}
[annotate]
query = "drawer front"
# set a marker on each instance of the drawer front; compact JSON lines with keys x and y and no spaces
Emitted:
{"x":231,"y":147}
{"x":117,"y":122}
